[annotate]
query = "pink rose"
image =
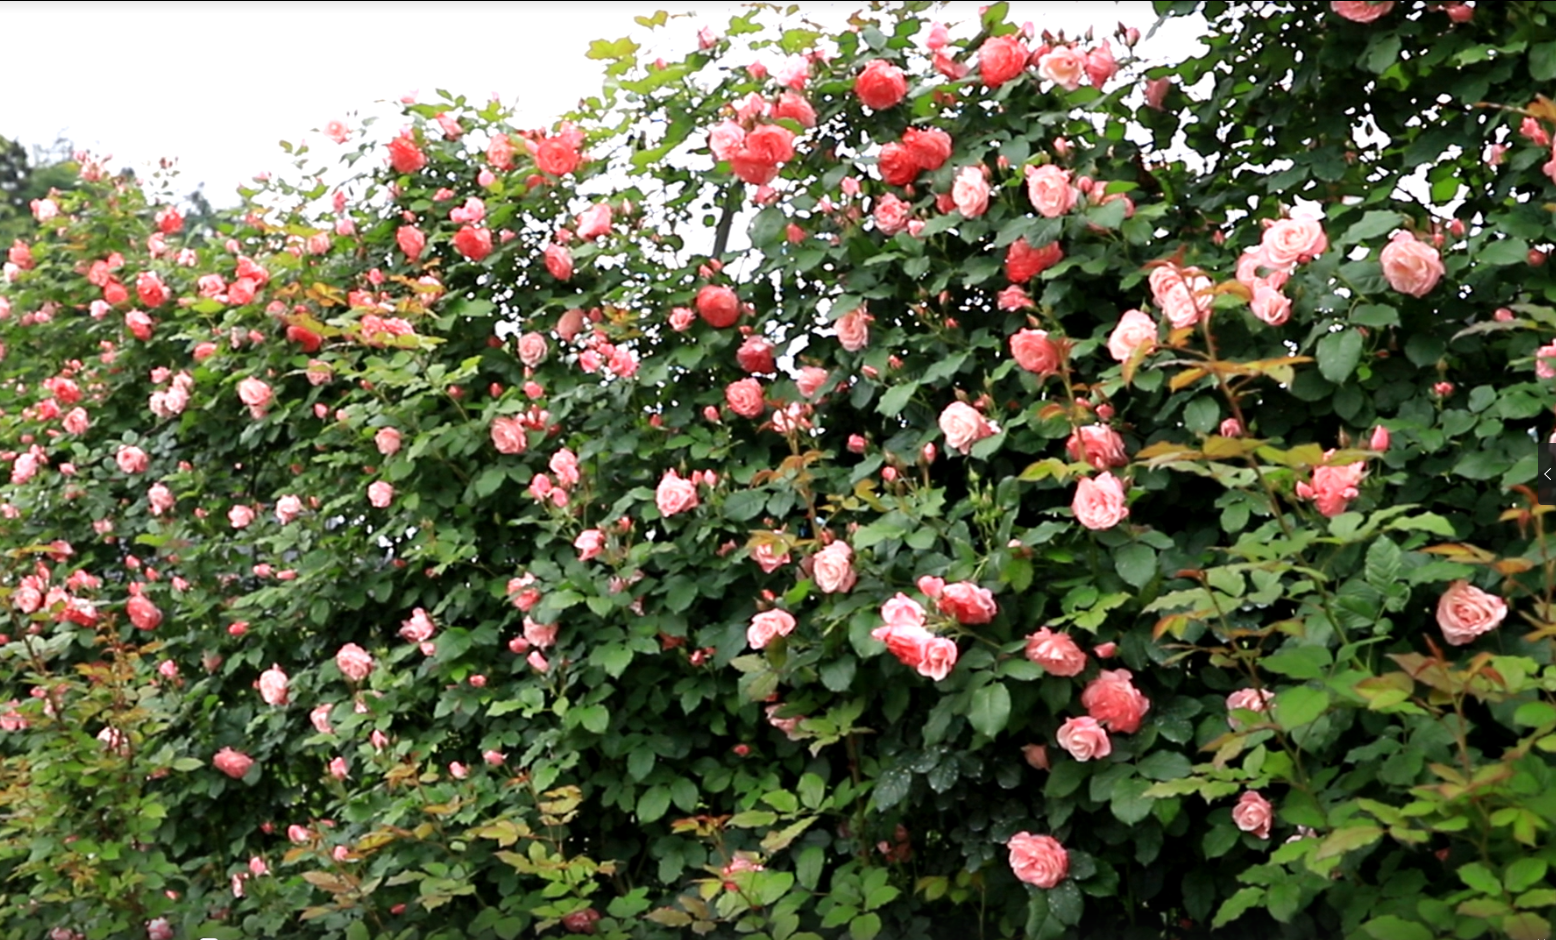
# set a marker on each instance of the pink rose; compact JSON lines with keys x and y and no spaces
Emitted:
{"x":1113,"y":700}
{"x":1254,"y":700}
{"x":929,"y":147}
{"x":718,"y":306}
{"x":1098,"y":445}
{"x":1035,"y":352}
{"x":380,"y":494}
{"x":881,"y":85}
{"x":745,"y":398}
{"x":1254,"y":814}
{"x":725,"y":140}
{"x":675,"y":494}
{"x":811,"y":380}
{"x":1380,"y":439}
{"x":532,"y":349}
{"x":594,"y":222}
{"x":936,"y":658}
{"x":508,"y":435}
{"x":419,"y":628}
{"x":1038,"y":860}
{"x":892,"y":214}
{"x":387,"y":441}
{"x":161,"y":499}
{"x":589,"y":543}
{"x":1361,"y":11}
{"x":273,"y":686}
{"x":1049,"y":189}
{"x":354,"y":662}
{"x":143,"y":613}
{"x":240,"y":516}
{"x":1023,"y":262}
{"x":232,"y":763}
{"x":320,"y":717}
{"x":1084,"y":739}
{"x":559,"y":262}
{"x":767,"y":625}
{"x":1064,"y":67}
{"x":1411,"y":266}
{"x":898,"y":164}
{"x":967,"y":602}
{"x":833,"y":569}
{"x":1099,"y":502}
{"x":132,"y":459}
{"x":288,"y":508}
{"x":1134,"y":331}
{"x":1001,"y":58}
{"x":902,"y":611}
{"x":410,"y":239}
{"x":1231,"y":427}
{"x":1100,"y":65}
{"x":755,"y":355}
{"x":963,"y":426}
{"x":1333,"y":488}
{"x":1269,"y":304}
{"x":542,"y":635}
{"x":970,"y":192}
{"x":1179,"y":292}
{"x":1465,"y":612}
{"x":1056,"y":653}
{"x":853,"y":329}
{"x":1289,"y":241}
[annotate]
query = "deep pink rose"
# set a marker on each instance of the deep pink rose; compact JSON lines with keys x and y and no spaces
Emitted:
{"x":1098,"y":445}
{"x":1361,"y":11}
{"x":1465,"y":612}
{"x":354,"y":662}
{"x":1084,"y":739}
{"x":833,"y":569}
{"x":1113,"y":700}
{"x":1038,"y":860}
{"x":1100,"y":64}
{"x":755,"y":355}
{"x":1056,"y":653}
{"x":1134,"y":331}
{"x":767,"y":625}
{"x":411,"y":241}
{"x":1099,"y":502}
{"x":405,"y":156}
{"x":745,"y":398}
{"x":771,"y":144}
{"x":1035,"y":352}
{"x":508,"y":435}
{"x":967,"y":602}
{"x":1049,"y":189}
{"x":143,"y":613}
{"x":559,"y":262}
{"x":474,"y":243}
{"x":150,"y":289}
{"x":1411,"y":266}
{"x":718,"y":306}
{"x":964,"y":426}
{"x":929,"y":147}
{"x":1254,"y":814}
{"x":1001,"y":58}
{"x":675,"y":494}
{"x":1023,"y":262}
{"x":881,"y":85}
{"x":898,"y":164}
{"x":232,"y":763}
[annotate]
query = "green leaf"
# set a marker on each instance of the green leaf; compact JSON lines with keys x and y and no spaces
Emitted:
{"x":896,"y":398}
{"x":1236,"y":905}
{"x":1542,"y":61}
{"x":1345,"y":840}
{"x":1300,"y":706}
{"x":614,"y":658}
{"x":595,"y":718}
{"x":1526,"y":925}
{"x":864,"y":927}
{"x":1136,"y":564}
{"x":1130,"y":805}
{"x":808,"y":865}
{"x":1165,"y":765}
{"x":1066,"y":902}
{"x":1392,"y":927}
{"x":1503,"y":252}
{"x":1383,"y":562}
{"x":1535,"y":715}
{"x":653,"y":803}
{"x":1338,"y":354}
{"x":1374,"y":224}
{"x":1283,"y":900}
{"x":1524,"y":874}
{"x":1380,"y":316}
{"x":1299,"y":662}
{"x":989,"y":709}
{"x":1382,"y":52}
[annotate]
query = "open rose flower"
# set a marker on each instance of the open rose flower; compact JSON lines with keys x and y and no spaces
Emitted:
{"x":1035,"y":352}
{"x":675,"y":494}
{"x":1135,"y":330}
{"x":1411,"y":266}
{"x":1056,"y":653}
{"x":232,"y":763}
{"x":1333,"y":488}
{"x":970,"y":192}
{"x":1099,"y":502}
{"x":273,"y":686}
{"x":881,"y":85}
{"x":1084,"y":739}
{"x":1001,"y":58}
{"x":833,"y":569}
{"x":1253,"y":813}
{"x":508,"y":436}
{"x":767,"y":625}
{"x":1038,"y":860}
{"x":1465,"y":612}
{"x":964,"y":426}
{"x":967,"y":602}
{"x":1113,"y":700}
{"x":354,"y":662}
{"x":1049,"y":189}
{"x":1362,"y":11}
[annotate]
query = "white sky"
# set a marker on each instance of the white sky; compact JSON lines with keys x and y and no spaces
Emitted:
{"x":216,"y":86}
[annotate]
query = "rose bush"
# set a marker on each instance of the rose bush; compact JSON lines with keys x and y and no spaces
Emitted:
{"x":815,"y":487}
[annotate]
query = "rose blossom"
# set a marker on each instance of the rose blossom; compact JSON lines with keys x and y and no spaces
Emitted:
{"x":1333,"y":488}
{"x":1035,"y":352}
{"x":675,"y":494}
{"x":1465,"y":612}
{"x":1084,"y":739}
{"x":970,"y":192}
{"x":1254,"y":700}
{"x":963,"y":426}
{"x":1380,"y":439}
{"x":589,"y":543}
{"x":1178,"y":291}
{"x":508,"y":435}
{"x":1023,"y":262}
{"x":1001,"y":58}
{"x":1038,"y":860}
{"x":1049,"y":189}
{"x":532,"y":349}
{"x":892,"y":214}
{"x":902,"y":611}
{"x":1361,"y":11}
{"x":767,"y":625}
{"x":1269,"y":304}
{"x":320,"y":717}
{"x":143,"y":613}
{"x":232,"y":763}
{"x":1288,"y":241}
{"x":1098,"y":445}
{"x":1056,"y":653}
{"x":132,"y":459}
{"x":1099,"y":503}
{"x":881,"y":85}
{"x":273,"y":686}
{"x":1064,"y":66}
{"x":354,"y":662}
{"x":1135,"y":330}
{"x":288,"y":508}
{"x":853,"y":329}
{"x":718,"y":306}
{"x":1113,"y":700}
{"x":1254,"y":814}
{"x":1411,"y":266}
{"x":380,"y":494}
{"x":833,"y":569}
{"x":967,"y":602}
{"x":419,"y":628}
{"x":745,"y":398}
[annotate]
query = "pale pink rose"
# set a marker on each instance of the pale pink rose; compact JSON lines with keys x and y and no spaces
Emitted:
{"x":810,"y":380}
{"x":1254,"y":700}
{"x":589,"y":544}
{"x":419,"y":628}
{"x":131,"y":459}
{"x":288,"y":508}
{"x":493,"y":758}
{"x":675,"y":494}
{"x":354,"y":662}
{"x":1134,"y":330}
{"x":1084,"y":739}
{"x":338,"y":769}
{"x":1049,"y":189}
{"x":967,"y":602}
{"x":1362,"y":11}
{"x":532,"y":349}
{"x":256,"y":394}
{"x":1099,"y":502}
{"x":964,"y":426}
{"x":930,"y":585}
{"x":1064,"y":67}
{"x":240,"y":516}
{"x":1269,"y":304}
{"x":1333,"y":488}
{"x":970,"y":192}
{"x":1056,"y":653}
{"x":273,"y":686}
{"x":745,"y":398}
{"x":725,"y":140}
{"x":853,"y":329}
{"x":320,"y":717}
{"x":1038,"y":860}
{"x":1113,"y":700}
{"x":937,"y":657}
{"x":1290,"y":241}
{"x":767,"y":625}
{"x":594,"y":222}
{"x":1035,"y":352}
{"x":559,"y":262}
{"x":161,"y":499}
{"x":144,"y":614}
{"x":770,"y":555}
{"x":833,"y":569}
{"x":387,"y":440}
{"x":77,"y":421}
{"x":1179,"y":292}
{"x":1465,"y":612}
{"x":1545,"y":361}
{"x":380,"y":494}
{"x":1231,"y":427}
{"x":1411,"y":266}
{"x":232,"y":763}
{"x":903,"y":611}
{"x":508,"y":435}
{"x":1098,"y":445}
{"x":892,"y":214}
{"x":1254,"y":814}
{"x":538,"y":661}
{"x":542,"y":635}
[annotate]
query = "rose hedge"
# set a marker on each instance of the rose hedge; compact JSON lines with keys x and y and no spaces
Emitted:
{"x":880,"y":482}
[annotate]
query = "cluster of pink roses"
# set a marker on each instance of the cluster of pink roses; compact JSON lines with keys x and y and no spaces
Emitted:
{"x":914,"y":646}
{"x":1333,"y":487}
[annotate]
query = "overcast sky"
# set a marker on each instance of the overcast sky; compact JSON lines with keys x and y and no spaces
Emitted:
{"x":216,"y":86}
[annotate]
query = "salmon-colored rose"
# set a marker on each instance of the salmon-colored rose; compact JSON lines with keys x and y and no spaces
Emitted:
{"x":1361,"y":11}
{"x":898,"y":164}
{"x":967,"y":602}
{"x":508,"y":436}
{"x":1056,"y":653}
{"x":929,"y":147}
{"x":963,"y":426}
{"x":675,"y":494}
{"x":1049,"y":190}
{"x":1084,"y":739}
{"x":1035,"y":352}
{"x":1038,"y":860}
{"x":1411,"y":266}
{"x":232,"y":763}
{"x":1001,"y":58}
{"x":833,"y":569}
{"x":1099,"y":502}
{"x":768,"y":625}
{"x":1254,"y":814}
{"x":853,"y":330}
{"x":718,"y":306}
{"x":745,"y":398}
{"x":1113,"y":700}
{"x":881,"y":85}
{"x":1465,"y":612}
{"x":1098,"y":445}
